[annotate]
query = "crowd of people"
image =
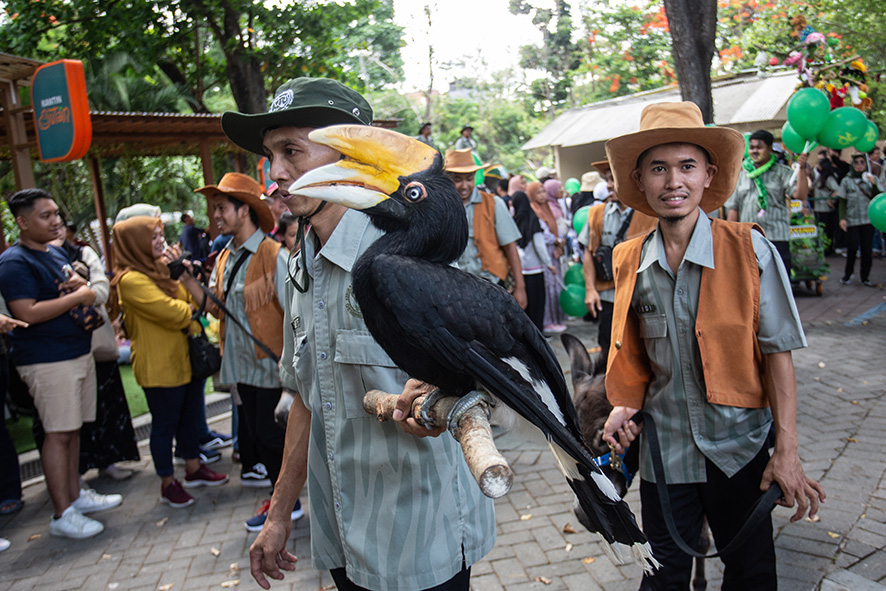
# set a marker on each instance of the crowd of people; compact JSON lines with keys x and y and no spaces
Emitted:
{"x":278,"y":279}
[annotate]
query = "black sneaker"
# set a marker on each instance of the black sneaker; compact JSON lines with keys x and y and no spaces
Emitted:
{"x":216,"y":440}
{"x":207,"y":456}
{"x":867,"y":283}
{"x":255,"y":477}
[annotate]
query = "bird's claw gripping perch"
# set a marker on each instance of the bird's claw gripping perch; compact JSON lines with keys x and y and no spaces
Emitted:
{"x":471,"y":429}
{"x":464,"y":404}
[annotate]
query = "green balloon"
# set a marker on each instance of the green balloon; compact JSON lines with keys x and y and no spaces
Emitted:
{"x":807,"y":111}
{"x":876,"y":211}
{"x":574,"y":275}
{"x":869,"y":140}
{"x":580,"y":218}
{"x":572,"y":186}
{"x":572,"y":300}
{"x":843,"y":127}
{"x":791,"y":139}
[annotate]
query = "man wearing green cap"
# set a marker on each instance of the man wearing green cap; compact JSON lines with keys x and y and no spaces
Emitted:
{"x":389,"y":511}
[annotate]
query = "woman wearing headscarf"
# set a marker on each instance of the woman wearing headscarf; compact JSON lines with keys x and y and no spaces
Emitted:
{"x":554,"y":319}
{"x":534,"y":257}
{"x":157,"y":315}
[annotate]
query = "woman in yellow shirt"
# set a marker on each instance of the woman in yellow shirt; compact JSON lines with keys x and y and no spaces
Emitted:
{"x":157,"y":313}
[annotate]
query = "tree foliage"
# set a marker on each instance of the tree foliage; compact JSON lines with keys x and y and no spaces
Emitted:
{"x":206,"y":46}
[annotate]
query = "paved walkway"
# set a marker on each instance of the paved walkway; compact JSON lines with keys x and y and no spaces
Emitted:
{"x":842,"y":419}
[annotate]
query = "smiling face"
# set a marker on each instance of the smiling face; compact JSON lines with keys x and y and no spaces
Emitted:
{"x":228,"y":217}
{"x":291,"y":154}
{"x":464,"y":184}
{"x":673,"y":177}
{"x":158,"y":242}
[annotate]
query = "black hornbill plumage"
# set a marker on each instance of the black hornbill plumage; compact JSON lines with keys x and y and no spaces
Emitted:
{"x":447,"y":327}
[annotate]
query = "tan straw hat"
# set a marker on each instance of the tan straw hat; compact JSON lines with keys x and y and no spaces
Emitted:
{"x":667,"y":123}
{"x":246,"y":189}
{"x":601,"y":165}
{"x":461,"y":161}
{"x":589,"y":180}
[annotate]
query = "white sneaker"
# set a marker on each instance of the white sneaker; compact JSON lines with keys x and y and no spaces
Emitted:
{"x":4,"y":544}
{"x":90,"y":501}
{"x":73,"y":524}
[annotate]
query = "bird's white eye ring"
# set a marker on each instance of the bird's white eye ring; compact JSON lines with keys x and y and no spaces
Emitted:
{"x":415,"y":192}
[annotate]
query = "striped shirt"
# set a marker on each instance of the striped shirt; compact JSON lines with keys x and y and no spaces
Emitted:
{"x":396,"y":511}
{"x":506,"y":231}
{"x":776,"y":218}
{"x":858,"y":194}
{"x":819,"y":196}
{"x":239,"y":362}
{"x":689,"y":427}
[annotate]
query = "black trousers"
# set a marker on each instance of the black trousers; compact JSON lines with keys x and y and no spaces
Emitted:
{"x":460,"y":582}
{"x":10,"y":481}
{"x":258,"y":412}
{"x":535,"y":298}
{"x":725,"y":503}
{"x":829,"y":219}
{"x":604,"y":336}
{"x":859,"y":236}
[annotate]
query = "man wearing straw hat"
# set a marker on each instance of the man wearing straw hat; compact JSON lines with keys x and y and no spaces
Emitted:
{"x":492,"y":248}
{"x":702,"y":333}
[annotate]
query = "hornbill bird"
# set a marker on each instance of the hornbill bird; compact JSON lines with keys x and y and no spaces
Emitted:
{"x":445,"y":326}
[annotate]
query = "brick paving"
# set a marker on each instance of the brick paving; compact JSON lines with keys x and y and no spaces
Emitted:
{"x":842,"y":421}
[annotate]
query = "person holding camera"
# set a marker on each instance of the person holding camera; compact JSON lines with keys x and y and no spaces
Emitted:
{"x":157,"y":313}
{"x":608,"y":224}
{"x":51,"y":350}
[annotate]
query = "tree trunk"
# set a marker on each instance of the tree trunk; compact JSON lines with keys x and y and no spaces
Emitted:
{"x":243,"y":69}
{"x":693,"y":26}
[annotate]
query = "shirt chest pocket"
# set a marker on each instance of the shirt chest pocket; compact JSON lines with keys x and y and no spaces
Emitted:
{"x":653,"y":326}
{"x":362,"y":366}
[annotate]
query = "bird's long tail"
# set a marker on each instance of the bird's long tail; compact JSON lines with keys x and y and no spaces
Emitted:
{"x":606,"y":513}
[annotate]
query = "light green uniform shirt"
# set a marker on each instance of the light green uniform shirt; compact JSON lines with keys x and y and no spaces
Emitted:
{"x":776,"y":218}
{"x":506,"y":231}
{"x":239,"y":362}
{"x":396,"y":511}
{"x":689,"y":427}
{"x":819,"y":196}
{"x":858,"y":194}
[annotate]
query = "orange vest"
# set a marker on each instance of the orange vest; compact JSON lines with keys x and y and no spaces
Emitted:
{"x":641,"y":224}
{"x":492,"y":257}
{"x":259,"y":295}
{"x":725,"y":327}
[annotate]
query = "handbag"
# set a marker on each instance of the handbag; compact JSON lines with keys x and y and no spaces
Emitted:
{"x":603,"y":254}
{"x":85,"y":316}
{"x":205,"y":356}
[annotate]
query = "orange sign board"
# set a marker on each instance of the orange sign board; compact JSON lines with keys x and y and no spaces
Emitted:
{"x":61,"y":111}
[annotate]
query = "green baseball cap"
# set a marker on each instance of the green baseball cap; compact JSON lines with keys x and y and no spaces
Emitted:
{"x":300,"y":102}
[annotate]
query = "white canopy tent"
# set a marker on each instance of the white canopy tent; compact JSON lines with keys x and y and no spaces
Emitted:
{"x":744,"y":102}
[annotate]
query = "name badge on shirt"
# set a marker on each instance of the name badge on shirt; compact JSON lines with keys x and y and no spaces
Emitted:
{"x":646,"y":309}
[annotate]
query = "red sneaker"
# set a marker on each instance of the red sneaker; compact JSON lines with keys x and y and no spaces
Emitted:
{"x":175,"y":496}
{"x":205,"y":477}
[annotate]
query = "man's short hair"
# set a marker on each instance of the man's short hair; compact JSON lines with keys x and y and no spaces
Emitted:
{"x":23,"y":201}
{"x":238,"y":204}
{"x":185,"y":217}
{"x":764,"y":136}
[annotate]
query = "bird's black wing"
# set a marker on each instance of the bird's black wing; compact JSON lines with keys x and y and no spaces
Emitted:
{"x":468,"y":326}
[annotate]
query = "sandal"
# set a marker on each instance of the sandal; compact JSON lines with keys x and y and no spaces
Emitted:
{"x":10,"y":506}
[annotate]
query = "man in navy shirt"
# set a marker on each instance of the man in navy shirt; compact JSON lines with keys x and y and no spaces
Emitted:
{"x":53,"y":355}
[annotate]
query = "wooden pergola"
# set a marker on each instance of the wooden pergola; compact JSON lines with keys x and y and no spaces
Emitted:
{"x":113,"y":134}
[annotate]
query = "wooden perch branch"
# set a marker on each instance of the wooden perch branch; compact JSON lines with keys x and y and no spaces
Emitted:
{"x":489,"y":467}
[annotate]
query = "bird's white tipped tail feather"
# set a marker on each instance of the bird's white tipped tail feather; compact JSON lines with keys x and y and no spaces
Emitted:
{"x":607,"y":514}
